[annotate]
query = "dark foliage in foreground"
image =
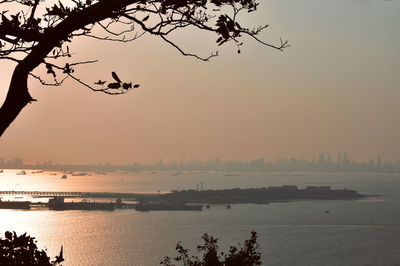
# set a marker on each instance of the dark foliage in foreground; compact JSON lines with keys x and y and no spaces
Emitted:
{"x":245,"y":255}
{"x":22,"y":250}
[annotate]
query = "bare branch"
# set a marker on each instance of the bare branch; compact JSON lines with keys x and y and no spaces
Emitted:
{"x":10,"y":58}
{"x":188,"y":54}
{"x":45,"y":83}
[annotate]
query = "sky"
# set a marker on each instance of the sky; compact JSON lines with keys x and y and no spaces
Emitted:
{"x":336,"y":89}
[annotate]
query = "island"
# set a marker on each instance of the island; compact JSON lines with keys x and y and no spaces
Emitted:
{"x":254,"y":195}
{"x":180,"y":200}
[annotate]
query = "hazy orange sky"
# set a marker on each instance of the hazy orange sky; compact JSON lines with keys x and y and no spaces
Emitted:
{"x":335,"y":90}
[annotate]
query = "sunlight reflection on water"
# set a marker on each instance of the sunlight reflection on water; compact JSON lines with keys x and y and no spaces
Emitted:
{"x":296,"y":233}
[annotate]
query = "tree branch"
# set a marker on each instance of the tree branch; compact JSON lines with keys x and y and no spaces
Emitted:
{"x":29,"y":38}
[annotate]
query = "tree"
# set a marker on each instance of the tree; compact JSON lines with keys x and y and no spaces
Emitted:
{"x":35,"y":34}
{"x":245,"y":255}
{"x":22,"y":250}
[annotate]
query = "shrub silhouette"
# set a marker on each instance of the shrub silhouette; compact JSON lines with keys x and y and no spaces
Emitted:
{"x":245,"y":255}
{"x":22,"y":250}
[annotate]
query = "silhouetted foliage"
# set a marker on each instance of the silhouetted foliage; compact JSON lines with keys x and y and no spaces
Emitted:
{"x":245,"y":255}
{"x":22,"y":250}
{"x":36,"y":33}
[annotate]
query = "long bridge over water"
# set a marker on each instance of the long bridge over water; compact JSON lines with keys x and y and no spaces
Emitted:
{"x":42,"y":194}
{"x":68,"y":194}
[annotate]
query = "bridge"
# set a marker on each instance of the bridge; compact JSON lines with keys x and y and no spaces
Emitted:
{"x":43,"y":194}
{"x":50,"y":194}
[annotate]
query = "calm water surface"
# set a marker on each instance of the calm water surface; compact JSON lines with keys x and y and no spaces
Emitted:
{"x":358,"y":232}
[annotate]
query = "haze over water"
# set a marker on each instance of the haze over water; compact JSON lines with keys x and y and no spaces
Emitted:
{"x":294,"y":233}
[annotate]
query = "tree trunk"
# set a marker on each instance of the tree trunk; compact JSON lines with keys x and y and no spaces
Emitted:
{"x":17,"y":98}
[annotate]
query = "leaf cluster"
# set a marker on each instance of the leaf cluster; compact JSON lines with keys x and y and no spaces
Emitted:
{"x":59,"y":10}
{"x":118,"y":84}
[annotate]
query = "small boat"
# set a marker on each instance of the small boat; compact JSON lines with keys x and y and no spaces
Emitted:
{"x":80,"y":174}
{"x":64,"y":176}
{"x":178,"y":173}
{"x":231,"y":175}
{"x":37,"y":172}
{"x":21,"y":173}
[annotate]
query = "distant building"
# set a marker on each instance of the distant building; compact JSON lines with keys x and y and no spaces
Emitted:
{"x":345,"y":159}
{"x":379,"y":161}
{"x":321,"y":158}
{"x":18,"y":162}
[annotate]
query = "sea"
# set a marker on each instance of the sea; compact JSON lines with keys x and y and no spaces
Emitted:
{"x":312,"y":232}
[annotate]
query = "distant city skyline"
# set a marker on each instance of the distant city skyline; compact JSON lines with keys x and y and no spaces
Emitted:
{"x":323,"y":163}
{"x":335,"y":89}
{"x":321,"y":156}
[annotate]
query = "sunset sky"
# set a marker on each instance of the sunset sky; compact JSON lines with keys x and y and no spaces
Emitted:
{"x":336,"y":89}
